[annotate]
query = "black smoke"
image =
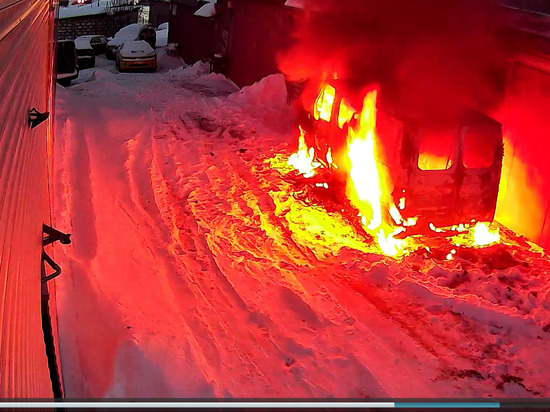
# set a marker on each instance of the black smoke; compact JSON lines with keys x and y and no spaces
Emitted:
{"x":431,"y":58}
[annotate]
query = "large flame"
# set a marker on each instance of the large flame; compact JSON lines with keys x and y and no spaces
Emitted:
{"x":369,"y":187}
{"x":303,"y":159}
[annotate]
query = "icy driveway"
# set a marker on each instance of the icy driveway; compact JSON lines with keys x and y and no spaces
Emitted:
{"x":186,"y":277}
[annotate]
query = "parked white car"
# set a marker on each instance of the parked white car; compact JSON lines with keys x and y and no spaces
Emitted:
{"x":136,"y":55}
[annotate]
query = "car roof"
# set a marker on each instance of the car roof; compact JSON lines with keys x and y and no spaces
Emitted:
{"x":89,"y":36}
{"x":127,"y":33}
{"x":83,"y":42}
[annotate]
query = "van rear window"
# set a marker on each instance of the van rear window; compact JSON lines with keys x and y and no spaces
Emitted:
{"x":480,"y":144}
{"x":436,"y":150}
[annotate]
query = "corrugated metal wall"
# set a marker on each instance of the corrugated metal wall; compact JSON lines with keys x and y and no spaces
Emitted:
{"x":261,"y":29}
{"x":194,"y":35}
{"x":26,"y":50}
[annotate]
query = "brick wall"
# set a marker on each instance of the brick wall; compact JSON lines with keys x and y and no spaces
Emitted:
{"x":71,"y":28}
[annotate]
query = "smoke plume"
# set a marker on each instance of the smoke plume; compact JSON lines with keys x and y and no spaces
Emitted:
{"x":430,"y":57}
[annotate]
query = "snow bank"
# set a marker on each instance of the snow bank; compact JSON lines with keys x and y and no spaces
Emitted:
{"x":172,"y":49}
{"x":195,"y":71}
{"x":168,"y":62}
{"x":268,"y":92}
{"x":217,"y":81}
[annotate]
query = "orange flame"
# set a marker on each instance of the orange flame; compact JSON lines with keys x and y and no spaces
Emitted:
{"x":363,"y":188}
{"x":323,"y":104}
{"x":369,"y":187}
{"x":303,"y":159}
{"x":345,"y":113}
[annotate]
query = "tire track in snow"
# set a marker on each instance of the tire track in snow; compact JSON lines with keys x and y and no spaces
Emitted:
{"x":214,"y":306}
{"x":219,"y":203}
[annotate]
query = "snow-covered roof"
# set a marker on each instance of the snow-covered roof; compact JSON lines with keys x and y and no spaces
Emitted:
{"x":83,"y":42}
{"x":127,"y":33}
{"x":208,"y":10}
{"x":77,"y":10}
{"x":299,"y":4}
{"x":137,"y":48}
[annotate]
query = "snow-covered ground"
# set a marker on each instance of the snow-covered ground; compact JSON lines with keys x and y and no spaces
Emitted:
{"x":194,"y":271}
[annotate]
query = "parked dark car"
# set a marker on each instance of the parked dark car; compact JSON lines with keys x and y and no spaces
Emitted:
{"x":84,"y":53}
{"x":135,"y":31}
{"x":67,"y":66}
{"x":97,"y":42}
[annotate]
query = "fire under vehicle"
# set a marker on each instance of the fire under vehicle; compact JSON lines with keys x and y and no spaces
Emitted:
{"x":443,"y":177}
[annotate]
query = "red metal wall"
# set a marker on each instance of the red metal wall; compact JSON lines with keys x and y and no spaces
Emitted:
{"x":26,"y":56}
{"x":524,"y":197}
{"x":260,"y":31}
{"x":194,"y":35}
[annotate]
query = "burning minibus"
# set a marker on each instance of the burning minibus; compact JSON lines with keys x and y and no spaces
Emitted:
{"x":405,"y":176}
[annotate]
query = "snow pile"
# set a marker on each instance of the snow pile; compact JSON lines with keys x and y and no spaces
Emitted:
{"x":193,"y":72}
{"x":172,"y":49}
{"x":127,"y":33}
{"x":216,"y":81}
{"x":167,"y":61}
{"x":270,"y":92}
